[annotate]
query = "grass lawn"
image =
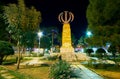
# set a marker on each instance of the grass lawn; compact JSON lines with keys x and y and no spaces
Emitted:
{"x":35,"y":72}
{"x":108,"y":74}
{"x":14,"y":73}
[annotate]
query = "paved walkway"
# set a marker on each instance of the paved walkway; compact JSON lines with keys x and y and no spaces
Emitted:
{"x":5,"y":74}
{"x":34,"y":61}
{"x":82,"y":72}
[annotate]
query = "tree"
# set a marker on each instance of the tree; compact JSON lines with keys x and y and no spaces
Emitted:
{"x":21,"y":20}
{"x":73,"y":39}
{"x":45,"y":42}
{"x":104,"y":21}
{"x":4,"y":35}
{"x":103,"y":12}
{"x":112,"y":49}
{"x":100,"y":52}
{"x":5,"y":50}
{"x":82,"y":41}
{"x":51,"y":36}
{"x":89,"y":51}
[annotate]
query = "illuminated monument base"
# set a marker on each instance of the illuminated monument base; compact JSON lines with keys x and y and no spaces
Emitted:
{"x":67,"y":53}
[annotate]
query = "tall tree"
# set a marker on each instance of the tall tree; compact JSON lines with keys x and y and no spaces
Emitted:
{"x":103,"y":12}
{"x":104,"y":21}
{"x":3,"y":33}
{"x":20,"y":20}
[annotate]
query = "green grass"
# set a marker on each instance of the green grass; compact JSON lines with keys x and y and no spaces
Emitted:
{"x":9,"y":60}
{"x":108,"y":74}
{"x":37,"y":72}
{"x":0,"y":73}
{"x":1,"y":77}
{"x":16,"y":74}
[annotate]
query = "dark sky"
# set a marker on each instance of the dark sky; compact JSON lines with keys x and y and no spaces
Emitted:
{"x":50,"y":10}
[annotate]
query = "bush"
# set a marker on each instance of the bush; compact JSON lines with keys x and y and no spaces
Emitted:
{"x":41,"y":54}
{"x":5,"y":50}
{"x":52,"y":57}
{"x":9,"y":62}
{"x":60,"y":70}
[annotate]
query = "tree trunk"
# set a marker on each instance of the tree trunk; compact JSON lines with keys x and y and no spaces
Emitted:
{"x":114,"y":56}
{"x":1,"y":60}
{"x":18,"y":60}
{"x":5,"y":58}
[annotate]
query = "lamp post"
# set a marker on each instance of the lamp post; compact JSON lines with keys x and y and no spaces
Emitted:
{"x":52,"y":41}
{"x":39,"y":35}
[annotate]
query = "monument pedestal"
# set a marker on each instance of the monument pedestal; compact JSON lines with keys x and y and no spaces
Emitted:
{"x":66,"y":49}
{"x":67,"y":53}
{"x":68,"y":57}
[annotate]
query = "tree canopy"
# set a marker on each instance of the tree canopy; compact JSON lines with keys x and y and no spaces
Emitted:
{"x":3,"y":33}
{"x":104,"y":22}
{"x":21,"y":21}
{"x":103,"y":12}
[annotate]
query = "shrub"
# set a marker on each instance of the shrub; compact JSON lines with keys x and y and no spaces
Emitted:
{"x":100,"y":52}
{"x":52,"y":57}
{"x":89,"y":51}
{"x":41,"y":54}
{"x":60,"y":70}
{"x":9,"y":62}
{"x":5,"y":50}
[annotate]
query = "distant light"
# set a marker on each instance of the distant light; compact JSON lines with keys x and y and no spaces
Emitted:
{"x":40,"y":34}
{"x":89,"y":33}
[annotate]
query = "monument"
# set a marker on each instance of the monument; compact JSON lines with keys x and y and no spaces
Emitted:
{"x":66,"y":50}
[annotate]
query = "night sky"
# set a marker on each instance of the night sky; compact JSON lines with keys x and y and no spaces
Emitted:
{"x":50,"y":10}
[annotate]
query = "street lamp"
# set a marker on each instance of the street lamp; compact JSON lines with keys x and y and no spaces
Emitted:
{"x":39,"y":35}
{"x":89,"y":33}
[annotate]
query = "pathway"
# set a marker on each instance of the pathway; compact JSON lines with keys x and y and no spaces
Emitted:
{"x":82,"y":72}
{"x":31,"y":63}
{"x":34,"y":61}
